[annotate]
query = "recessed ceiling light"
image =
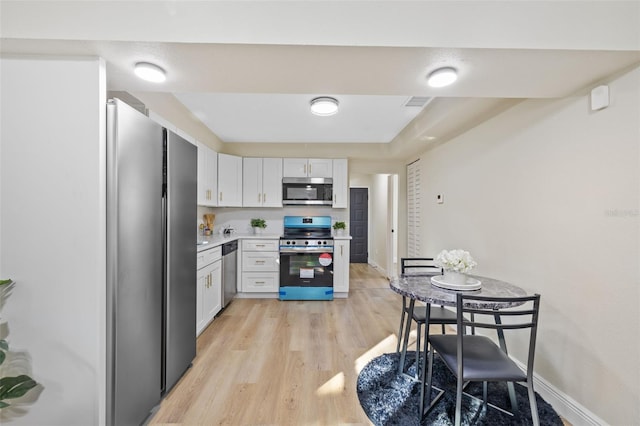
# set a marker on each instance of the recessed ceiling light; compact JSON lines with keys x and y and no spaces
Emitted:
{"x":150,"y":72}
{"x":442,"y":77}
{"x":324,"y":106}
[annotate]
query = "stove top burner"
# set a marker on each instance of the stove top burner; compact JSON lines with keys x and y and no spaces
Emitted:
{"x":306,"y":245}
{"x":307,"y":233}
{"x":307,"y":227}
{"x":306,"y":242}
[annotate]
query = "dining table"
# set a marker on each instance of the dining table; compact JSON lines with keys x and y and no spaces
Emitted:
{"x":422,"y":288}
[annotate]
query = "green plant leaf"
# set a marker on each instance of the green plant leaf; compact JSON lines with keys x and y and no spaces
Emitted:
{"x":3,"y":404}
{"x":5,"y":282}
{"x":15,"y":387}
{"x":3,"y":355}
{"x":4,"y":345}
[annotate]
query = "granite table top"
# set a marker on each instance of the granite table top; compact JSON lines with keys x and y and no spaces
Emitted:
{"x":420,"y":288}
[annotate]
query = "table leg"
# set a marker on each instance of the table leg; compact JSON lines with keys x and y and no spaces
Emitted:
{"x":405,"y":339}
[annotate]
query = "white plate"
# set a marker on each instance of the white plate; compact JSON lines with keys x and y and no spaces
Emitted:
{"x":471,"y":284}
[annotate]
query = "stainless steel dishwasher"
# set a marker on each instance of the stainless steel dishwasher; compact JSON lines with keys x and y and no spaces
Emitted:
{"x":229,"y":271}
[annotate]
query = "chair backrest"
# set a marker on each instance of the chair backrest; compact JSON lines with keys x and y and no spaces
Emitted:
{"x":419,"y":266}
{"x":485,"y":312}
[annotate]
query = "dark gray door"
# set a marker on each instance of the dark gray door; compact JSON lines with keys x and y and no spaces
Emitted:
{"x":359,"y":224}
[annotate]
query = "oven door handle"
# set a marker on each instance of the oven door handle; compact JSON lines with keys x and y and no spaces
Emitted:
{"x":306,"y":250}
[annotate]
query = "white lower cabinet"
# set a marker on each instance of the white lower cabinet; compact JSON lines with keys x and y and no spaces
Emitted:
{"x":341,"y":259}
{"x":209,"y":287}
{"x":260,"y":266}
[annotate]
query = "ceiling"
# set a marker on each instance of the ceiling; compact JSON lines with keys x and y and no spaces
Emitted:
{"x":253,"y":83}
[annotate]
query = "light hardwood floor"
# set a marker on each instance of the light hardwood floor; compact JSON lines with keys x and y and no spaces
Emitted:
{"x":268,"y":362}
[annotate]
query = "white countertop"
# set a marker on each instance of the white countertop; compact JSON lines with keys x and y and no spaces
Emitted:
{"x":217,"y":240}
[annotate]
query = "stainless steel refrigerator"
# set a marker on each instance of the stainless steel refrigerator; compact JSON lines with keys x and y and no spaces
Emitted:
{"x":151,"y":262}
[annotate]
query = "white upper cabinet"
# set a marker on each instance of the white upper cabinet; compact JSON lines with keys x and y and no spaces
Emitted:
{"x":229,"y":180}
{"x":207,"y":176}
{"x":308,"y":167}
{"x":272,"y":182}
{"x":340,"y":183}
{"x":262,"y":182}
{"x":252,"y":182}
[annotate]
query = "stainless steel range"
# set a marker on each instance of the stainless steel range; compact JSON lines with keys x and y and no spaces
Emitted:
{"x":306,"y":258}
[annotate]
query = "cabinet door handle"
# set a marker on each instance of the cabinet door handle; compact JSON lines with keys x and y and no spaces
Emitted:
{"x":259,"y":245}
{"x":220,"y":195}
{"x":260,"y":262}
{"x":305,"y":169}
{"x":264,"y":198}
{"x":258,"y":197}
{"x":259,"y":282}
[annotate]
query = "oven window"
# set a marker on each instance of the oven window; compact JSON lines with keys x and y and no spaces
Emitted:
{"x":306,"y":269}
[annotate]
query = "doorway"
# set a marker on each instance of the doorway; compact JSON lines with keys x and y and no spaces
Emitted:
{"x":359,"y":224}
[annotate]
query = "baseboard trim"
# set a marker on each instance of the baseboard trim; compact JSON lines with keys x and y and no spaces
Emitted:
{"x":574,"y":412}
{"x":378,"y":268}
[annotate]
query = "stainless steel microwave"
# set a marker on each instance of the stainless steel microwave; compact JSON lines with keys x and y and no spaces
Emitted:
{"x":307,"y":191}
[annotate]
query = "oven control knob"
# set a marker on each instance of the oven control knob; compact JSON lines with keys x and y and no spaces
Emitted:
{"x":306,"y":242}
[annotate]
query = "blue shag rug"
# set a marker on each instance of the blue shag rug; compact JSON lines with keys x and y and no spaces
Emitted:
{"x":391,"y":399}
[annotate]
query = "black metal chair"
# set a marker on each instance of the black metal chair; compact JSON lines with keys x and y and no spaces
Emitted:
{"x":438,"y":315}
{"x":475,"y":358}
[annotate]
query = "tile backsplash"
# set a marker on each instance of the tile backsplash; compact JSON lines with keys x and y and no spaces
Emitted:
{"x":239,"y":218}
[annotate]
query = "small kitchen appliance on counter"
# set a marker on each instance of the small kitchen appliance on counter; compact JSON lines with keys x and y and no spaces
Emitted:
{"x":306,"y":258}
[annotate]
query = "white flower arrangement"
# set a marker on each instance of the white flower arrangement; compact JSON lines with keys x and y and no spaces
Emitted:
{"x":455,"y":260}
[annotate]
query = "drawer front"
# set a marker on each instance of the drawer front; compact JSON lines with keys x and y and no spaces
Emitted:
{"x":207,"y":257}
{"x":254,"y":261}
{"x":256,"y":282}
{"x":261,"y":245}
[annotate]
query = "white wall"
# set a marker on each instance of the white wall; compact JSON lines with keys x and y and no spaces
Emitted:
{"x":378,"y":201}
{"x":52,"y":233}
{"x":547,"y":196}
